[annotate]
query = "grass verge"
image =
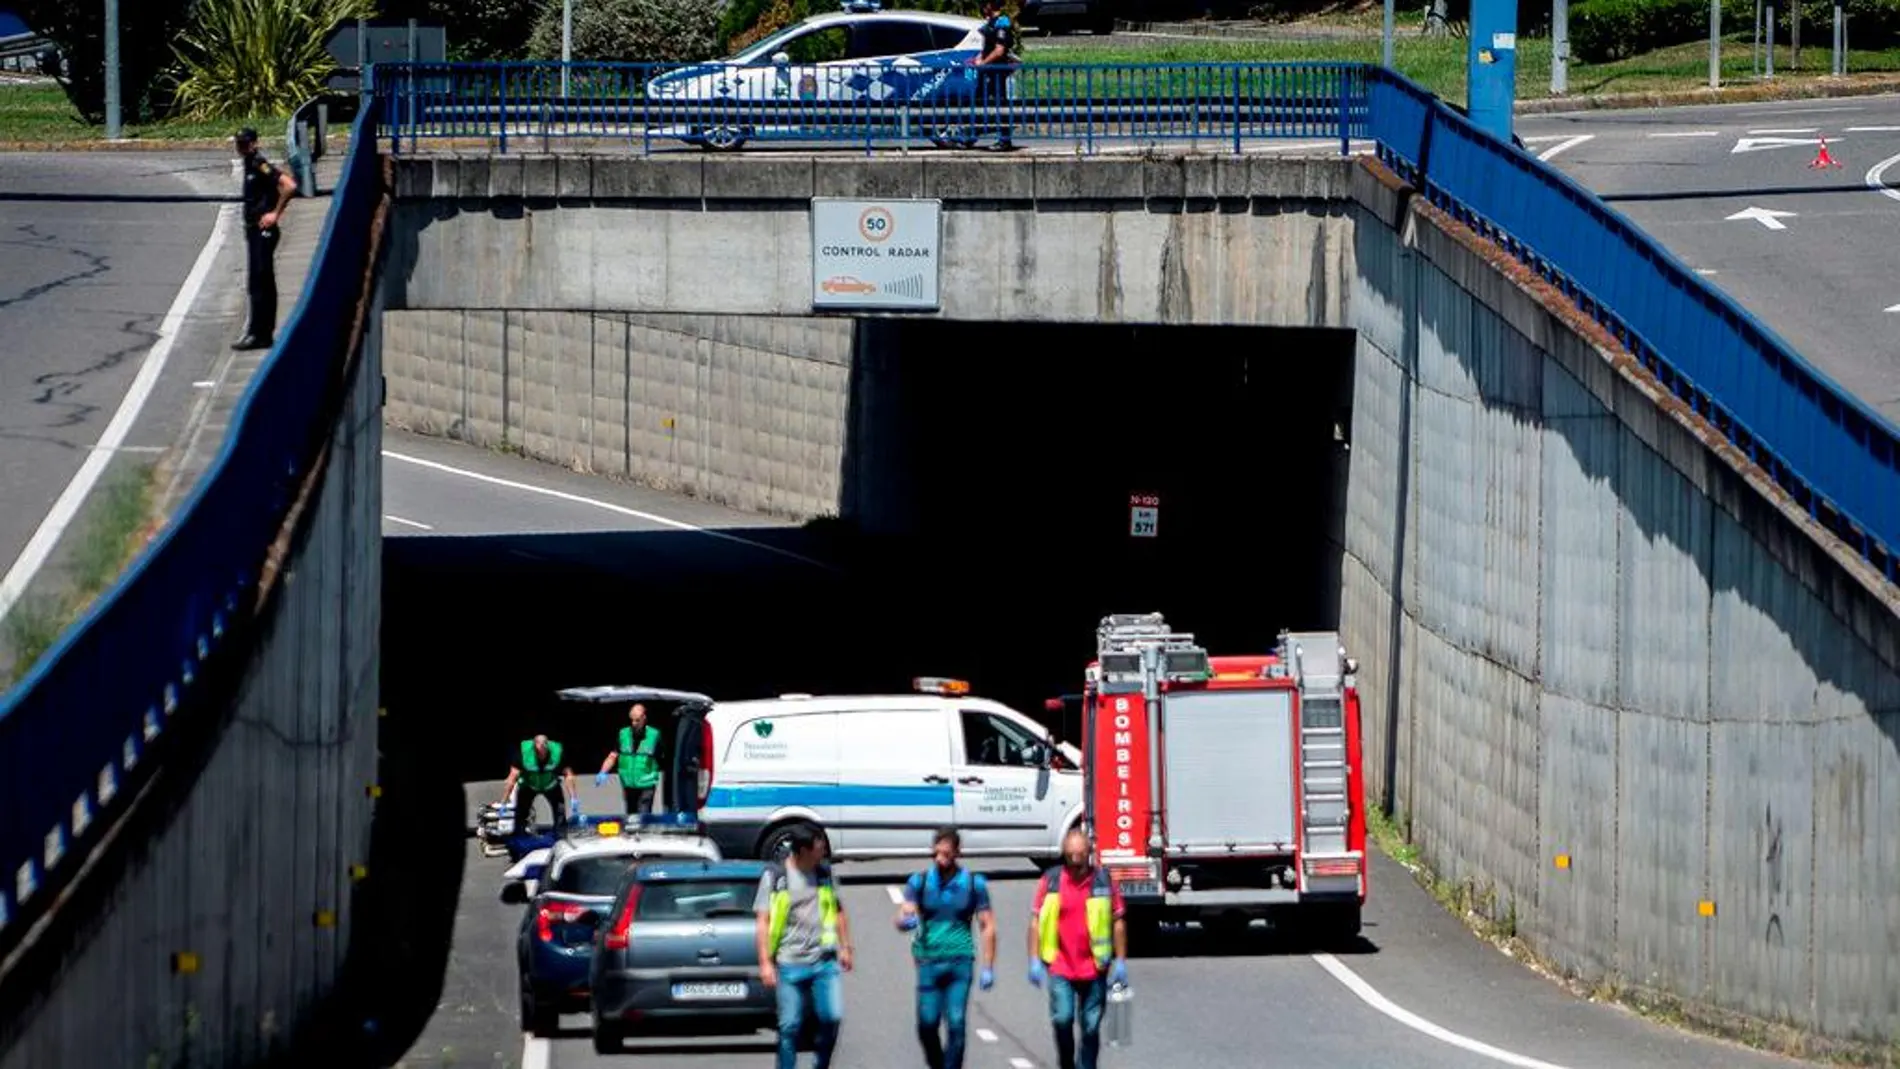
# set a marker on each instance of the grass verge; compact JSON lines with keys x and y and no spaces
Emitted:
{"x":1476,"y":905}
{"x":1438,"y":63}
{"x":38,"y":113}
{"x":119,"y":520}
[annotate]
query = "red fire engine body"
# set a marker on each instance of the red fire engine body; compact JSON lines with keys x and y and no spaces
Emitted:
{"x":1228,"y":788}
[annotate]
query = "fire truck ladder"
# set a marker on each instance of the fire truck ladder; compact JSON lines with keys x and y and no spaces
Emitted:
{"x":1135,"y":653}
{"x":1318,"y":664}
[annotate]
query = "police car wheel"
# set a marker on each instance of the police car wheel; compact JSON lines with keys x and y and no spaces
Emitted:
{"x":722,"y":138}
{"x":608,"y":1037}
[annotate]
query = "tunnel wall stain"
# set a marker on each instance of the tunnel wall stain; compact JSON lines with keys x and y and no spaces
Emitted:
{"x":1585,"y":633}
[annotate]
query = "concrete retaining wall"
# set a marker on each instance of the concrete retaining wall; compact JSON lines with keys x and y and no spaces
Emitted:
{"x":1206,"y":240}
{"x":1688,"y":697}
{"x":747,"y":411}
{"x":251,"y":873}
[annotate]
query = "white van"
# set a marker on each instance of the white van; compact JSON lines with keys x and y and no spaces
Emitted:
{"x":879,"y":773}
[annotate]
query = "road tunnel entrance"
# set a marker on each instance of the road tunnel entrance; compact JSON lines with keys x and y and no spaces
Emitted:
{"x":1004,"y":487}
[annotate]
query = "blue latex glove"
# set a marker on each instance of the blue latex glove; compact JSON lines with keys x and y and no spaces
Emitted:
{"x":1037,"y":970}
{"x":600,"y":779}
{"x":1118,"y":973}
{"x":987,"y":979}
{"x":908,"y":923}
{"x":573,"y":809}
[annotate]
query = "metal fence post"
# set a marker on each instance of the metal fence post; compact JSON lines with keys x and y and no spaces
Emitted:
{"x":1088,"y":111}
{"x":1236,"y":72}
{"x":501,"y":112}
{"x":1345,"y":112}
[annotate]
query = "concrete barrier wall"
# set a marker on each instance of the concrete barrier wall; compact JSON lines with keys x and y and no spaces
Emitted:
{"x":747,"y":411}
{"x":1687,"y":696}
{"x":250,"y":873}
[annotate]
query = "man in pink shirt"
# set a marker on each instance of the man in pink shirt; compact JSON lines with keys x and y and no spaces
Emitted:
{"x":1078,"y":941}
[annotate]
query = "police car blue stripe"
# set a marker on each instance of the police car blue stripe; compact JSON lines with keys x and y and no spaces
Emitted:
{"x":815,"y":795}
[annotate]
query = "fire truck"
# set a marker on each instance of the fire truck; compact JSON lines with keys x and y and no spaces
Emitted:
{"x":1226,"y":788}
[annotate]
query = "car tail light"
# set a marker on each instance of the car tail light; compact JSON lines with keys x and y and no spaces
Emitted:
{"x":616,"y":938}
{"x":548,"y":916}
{"x":705,"y":761}
{"x":1332,"y":866}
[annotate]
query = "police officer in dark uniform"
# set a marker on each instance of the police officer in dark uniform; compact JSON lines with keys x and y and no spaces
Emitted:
{"x":266,"y":193}
{"x":996,"y":63}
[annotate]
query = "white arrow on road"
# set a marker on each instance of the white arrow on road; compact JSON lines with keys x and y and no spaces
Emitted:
{"x":1758,"y":144}
{"x":1895,"y":308}
{"x":1768,"y":217}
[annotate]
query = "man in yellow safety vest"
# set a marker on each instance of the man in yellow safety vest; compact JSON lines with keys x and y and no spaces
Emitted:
{"x":1078,"y":942}
{"x":804,"y":944}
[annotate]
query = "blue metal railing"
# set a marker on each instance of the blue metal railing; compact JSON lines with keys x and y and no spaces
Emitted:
{"x":1832,"y":453}
{"x":654,"y":104}
{"x":80,"y":732}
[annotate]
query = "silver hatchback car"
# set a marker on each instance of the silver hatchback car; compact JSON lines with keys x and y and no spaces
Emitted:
{"x":680,"y":948}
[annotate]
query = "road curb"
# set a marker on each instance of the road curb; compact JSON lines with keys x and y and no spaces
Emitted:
{"x":1818,"y":89}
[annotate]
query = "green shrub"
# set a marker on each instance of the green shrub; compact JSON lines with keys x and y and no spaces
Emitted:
{"x":1606,"y":30}
{"x":259,"y":57}
{"x":631,"y":31}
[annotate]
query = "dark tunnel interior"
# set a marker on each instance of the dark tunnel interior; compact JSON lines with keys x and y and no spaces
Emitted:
{"x":988,"y":480}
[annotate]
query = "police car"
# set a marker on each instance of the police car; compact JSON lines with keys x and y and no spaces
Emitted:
{"x":861,"y":53}
{"x":877,"y":772}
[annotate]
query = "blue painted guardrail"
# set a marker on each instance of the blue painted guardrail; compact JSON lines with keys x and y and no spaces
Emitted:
{"x":86,"y":726}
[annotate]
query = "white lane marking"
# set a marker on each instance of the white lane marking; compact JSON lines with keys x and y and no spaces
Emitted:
{"x":607,"y":506}
{"x":1689,"y":133}
{"x":1021,"y":1063}
{"x":536,"y":1053}
{"x":986,"y":1035}
{"x":1758,"y":144}
{"x":1873,"y":129}
{"x":1788,"y":130}
{"x":1877,"y":178}
{"x":1895,"y":308}
{"x":1565,"y":145}
{"x":1705,"y":270}
{"x":66,"y":506}
{"x":407,"y":523}
{"x":1768,"y":217}
{"x":897,"y":896}
{"x":1371,"y":997}
{"x":204,"y":384}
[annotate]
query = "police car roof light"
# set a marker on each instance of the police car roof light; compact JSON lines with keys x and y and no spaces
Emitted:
{"x":941,"y":685}
{"x":860,"y":6}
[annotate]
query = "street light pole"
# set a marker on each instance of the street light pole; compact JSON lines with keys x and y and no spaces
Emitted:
{"x":112,"y":69}
{"x":1715,"y":44}
{"x":567,"y":41}
{"x":1389,"y":18}
{"x":1559,"y":47}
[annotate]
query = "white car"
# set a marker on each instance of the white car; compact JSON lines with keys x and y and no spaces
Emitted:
{"x":861,"y":53}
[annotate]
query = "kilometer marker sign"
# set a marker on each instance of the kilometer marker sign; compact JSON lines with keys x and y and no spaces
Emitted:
{"x":1144,"y":515}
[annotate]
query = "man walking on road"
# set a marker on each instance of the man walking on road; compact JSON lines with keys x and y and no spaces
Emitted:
{"x":804,"y":947}
{"x":639,"y":768}
{"x":266,"y":192}
{"x":1078,"y":942}
{"x":939,"y":905}
{"x":540,"y":774}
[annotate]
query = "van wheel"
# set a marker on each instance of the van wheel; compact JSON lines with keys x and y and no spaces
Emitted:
{"x":776,"y":845}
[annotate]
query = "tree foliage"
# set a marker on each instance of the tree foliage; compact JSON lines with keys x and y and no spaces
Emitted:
{"x":632,"y":31}
{"x":477,"y":29}
{"x":259,"y":57}
{"x":146,"y":31}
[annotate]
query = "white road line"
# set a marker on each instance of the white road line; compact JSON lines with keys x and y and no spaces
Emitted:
{"x":1564,"y":145}
{"x":607,"y":506}
{"x":1371,"y":997}
{"x":1021,"y":1063}
{"x":407,"y":523}
{"x":1873,"y":129}
{"x":1877,"y":178}
{"x":897,"y":896}
{"x":536,"y":1053}
{"x":1705,"y":270}
{"x":1789,"y":130}
{"x":986,"y":1035}
{"x":1689,"y":133}
{"x":40,"y":546}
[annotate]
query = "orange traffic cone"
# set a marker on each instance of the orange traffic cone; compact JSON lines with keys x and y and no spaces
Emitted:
{"x":1824,"y":158}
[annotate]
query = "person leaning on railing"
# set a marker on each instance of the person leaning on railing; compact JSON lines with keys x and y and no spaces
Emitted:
{"x":996,"y":63}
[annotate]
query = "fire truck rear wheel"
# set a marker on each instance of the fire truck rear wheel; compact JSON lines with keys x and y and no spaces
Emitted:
{"x":1335,"y":925}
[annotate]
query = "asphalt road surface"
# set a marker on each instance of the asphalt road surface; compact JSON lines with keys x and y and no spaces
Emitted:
{"x":1418,"y":992}
{"x":1812,"y":253}
{"x":93,"y":251}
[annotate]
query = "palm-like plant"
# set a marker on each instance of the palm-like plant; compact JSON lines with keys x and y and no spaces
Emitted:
{"x":258,"y":57}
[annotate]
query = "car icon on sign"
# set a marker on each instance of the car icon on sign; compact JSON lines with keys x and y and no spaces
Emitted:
{"x":847,"y":284}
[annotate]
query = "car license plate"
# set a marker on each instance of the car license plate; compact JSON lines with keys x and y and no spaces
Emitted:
{"x":1141,"y":888}
{"x":697,"y":992}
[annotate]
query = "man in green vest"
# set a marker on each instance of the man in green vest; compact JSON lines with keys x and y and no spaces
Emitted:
{"x":637,"y":756}
{"x":540,"y":773}
{"x":1078,"y":942}
{"x":804,"y":947}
